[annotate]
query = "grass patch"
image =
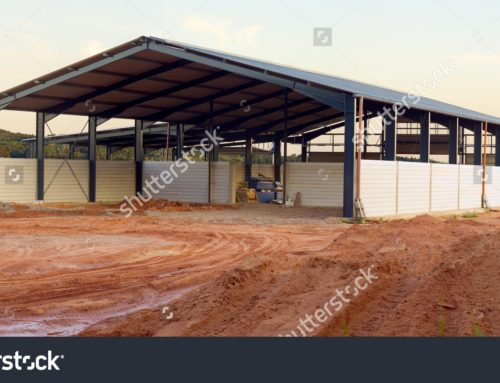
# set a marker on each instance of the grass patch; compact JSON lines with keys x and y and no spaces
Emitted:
{"x":470,"y":215}
{"x":476,"y":331}
{"x":354,"y":221}
{"x":441,"y":318}
{"x":345,"y":327}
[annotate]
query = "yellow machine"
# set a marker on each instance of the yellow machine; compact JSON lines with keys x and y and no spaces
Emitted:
{"x":252,"y":195}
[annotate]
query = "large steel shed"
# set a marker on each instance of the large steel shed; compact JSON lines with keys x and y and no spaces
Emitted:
{"x":151,"y":80}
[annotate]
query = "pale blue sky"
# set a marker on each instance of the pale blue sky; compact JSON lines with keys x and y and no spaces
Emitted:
{"x":386,"y":42}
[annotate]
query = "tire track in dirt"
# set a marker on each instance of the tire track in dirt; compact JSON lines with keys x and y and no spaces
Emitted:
{"x":55,"y":282}
{"x":416,"y":262}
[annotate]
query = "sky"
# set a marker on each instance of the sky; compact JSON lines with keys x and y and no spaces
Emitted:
{"x":394,"y":44}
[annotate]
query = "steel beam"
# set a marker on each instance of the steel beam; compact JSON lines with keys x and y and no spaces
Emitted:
{"x":138,"y":154}
{"x":497,"y":145}
{"x":211,"y":155}
{"x":248,"y":157}
{"x":40,"y":149}
{"x":325,"y":96}
{"x":92,"y":153}
{"x":179,"y":141}
{"x":316,"y":133}
{"x":303,"y":154}
{"x":425,"y":136}
{"x":285,"y":151}
{"x":300,"y":128}
{"x":350,"y":128}
{"x":266,"y":127}
{"x":216,"y":148}
{"x":111,"y":135}
{"x":478,"y":144}
{"x":277,"y":158}
{"x":41,"y":120}
{"x":328,"y":96}
{"x":308,"y":137}
{"x":32,"y":150}
{"x":365,"y":137}
{"x":391,"y":135}
{"x":454,"y":128}
{"x":255,"y":131}
{"x":6,"y":105}
{"x":164,"y":114}
{"x":263,"y":113}
{"x":68,"y":76}
{"x":229,"y":109}
{"x":462,"y":145}
{"x":197,"y":82}
{"x":335,"y":120}
{"x":120,"y":84}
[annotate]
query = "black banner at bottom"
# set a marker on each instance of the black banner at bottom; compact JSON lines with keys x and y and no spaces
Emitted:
{"x":193,"y":359}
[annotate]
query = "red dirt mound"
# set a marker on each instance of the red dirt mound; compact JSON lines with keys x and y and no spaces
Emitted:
{"x":427,"y":274}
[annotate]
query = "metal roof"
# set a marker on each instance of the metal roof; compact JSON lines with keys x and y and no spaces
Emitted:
{"x":158,"y":80}
{"x":356,"y":88}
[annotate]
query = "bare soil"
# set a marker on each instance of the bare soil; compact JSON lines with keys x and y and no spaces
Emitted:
{"x":249,"y":270}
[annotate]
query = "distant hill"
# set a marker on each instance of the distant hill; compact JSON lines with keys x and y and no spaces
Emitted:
{"x":11,"y":145}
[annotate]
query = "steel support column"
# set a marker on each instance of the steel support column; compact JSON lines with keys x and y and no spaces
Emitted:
{"x":108,"y":152}
{"x":365,"y":135}
{"x":497,"y":146}
{"x":94,"y":122}
{"x":40,"y":145}
{"x":92,"y":153}
{"x":478,"y":144}
{"x":32,"y":150}
{"x":391,"y":133}
{"x":211,"y":155}
{"x":425,"y":137}
{"x":277,"y":158}
{"x":248,"y":157}
{"x":454,"y":128}
{"x":285,"y":150}
{"x":462,"y":142}
{"x":216,"y":149}
{"x":350,"y":128}
{"x":180,"y":141}
{"x":304,"y":150}
{"x":138,"y":154}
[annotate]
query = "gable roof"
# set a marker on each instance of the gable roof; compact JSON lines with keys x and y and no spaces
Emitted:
{"x":158,"y":80}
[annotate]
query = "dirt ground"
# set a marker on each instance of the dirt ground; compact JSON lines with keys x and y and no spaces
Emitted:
{"x":250,"y":270}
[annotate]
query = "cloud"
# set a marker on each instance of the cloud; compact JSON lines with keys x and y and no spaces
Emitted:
{"x":224,"y":30}
{"x":93,"y":47}
{"x":250,"y":35}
